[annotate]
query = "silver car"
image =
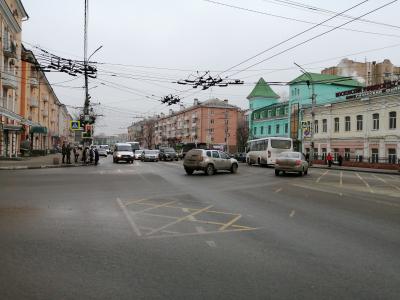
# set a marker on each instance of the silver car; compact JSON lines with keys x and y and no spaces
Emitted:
{"x":150,"y":155}
{"x":208,"y":161}
{"x":291,"y":162}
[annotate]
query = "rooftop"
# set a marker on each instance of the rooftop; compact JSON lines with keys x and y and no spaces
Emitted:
{"x":326,"y":79}
{"x":262,"y":90}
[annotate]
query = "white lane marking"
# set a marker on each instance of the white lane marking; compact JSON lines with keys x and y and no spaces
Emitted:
{"x":102,"y":172}
{"x":278,"y":190}
{"x":119,"y":171}
{"x":292,"y":214}
{"x":319,"y":178}
{"x":184,"y":209}
{"x":212,"y":244}
{"x":134,"y":227}
{"x":384,"y":181}
{"x":366,"y":183}
{"x":200,"y":229}
{"x":341,"y":178}
{"x":314,"y":188}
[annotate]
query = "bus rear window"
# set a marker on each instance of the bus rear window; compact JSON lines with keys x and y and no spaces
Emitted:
{"x":281,"y":144}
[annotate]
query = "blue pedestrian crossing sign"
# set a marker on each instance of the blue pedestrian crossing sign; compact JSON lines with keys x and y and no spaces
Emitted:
{"x":75,"y":125}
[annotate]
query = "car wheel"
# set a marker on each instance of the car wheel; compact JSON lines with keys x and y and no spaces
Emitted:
{"x":189,"y":171}
{"x":210,"y":170}
{"x":234,"y":168}
{"x":276,"y":172}
{"x":306,"y":172}
{"x":301,"y":172}
{"x":249,"y":162}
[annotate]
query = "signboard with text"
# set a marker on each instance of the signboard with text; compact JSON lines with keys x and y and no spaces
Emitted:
{"x":377,"y":89}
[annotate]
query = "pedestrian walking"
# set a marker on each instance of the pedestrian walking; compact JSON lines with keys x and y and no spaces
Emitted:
{"x":87,"y":155}
{"x":96,"y":156}
{"x":68,"y":149}
{"x":340,"y":160}
{"x":329,"y":158}
{"x":83,"y":155}
{"x":63,"y":152}
{"x":91,"y":154}
{"x":76,"y":154}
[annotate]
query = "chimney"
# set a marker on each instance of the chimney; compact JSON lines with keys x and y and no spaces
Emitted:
{"x":171,"y":112}
{"x":196,"y":101}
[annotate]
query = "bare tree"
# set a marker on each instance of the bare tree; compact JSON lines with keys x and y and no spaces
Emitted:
{"x":148,"y":132}
{"x":242,"y":134}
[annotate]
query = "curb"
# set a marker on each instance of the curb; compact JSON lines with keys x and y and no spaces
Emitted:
{"x":40,"y":167}
{"x":361,"y":170}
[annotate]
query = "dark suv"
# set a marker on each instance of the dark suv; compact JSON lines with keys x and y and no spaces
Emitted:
{"x":167,"y":154}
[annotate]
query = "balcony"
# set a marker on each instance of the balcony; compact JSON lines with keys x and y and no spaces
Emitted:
{"x":34,"y":82}
{"x":33,"y":102}
{"x":45,"y":113}
{"x":9,"y":49}
{"x":9,"y":80}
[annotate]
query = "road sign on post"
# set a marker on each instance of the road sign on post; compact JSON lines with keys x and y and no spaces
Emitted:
{"x":75,"y":125}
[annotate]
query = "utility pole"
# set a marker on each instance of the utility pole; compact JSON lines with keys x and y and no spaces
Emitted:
{"x":85,"y":62}
{"x":313,"y":102}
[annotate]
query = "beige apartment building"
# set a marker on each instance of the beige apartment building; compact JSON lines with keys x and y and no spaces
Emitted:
{"x":214,"y":122}
{"x":363,"y":129}
{"x":368,"y":73}
{"x":12,"y":14}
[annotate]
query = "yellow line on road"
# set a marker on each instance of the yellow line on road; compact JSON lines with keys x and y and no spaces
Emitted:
{"x":230,"y":223}
{"x":366,"y":183}
{"x":155,"y":206}
{"x":319,"y":178}
{"x":135,"y":201}
{"x":180,"y":220}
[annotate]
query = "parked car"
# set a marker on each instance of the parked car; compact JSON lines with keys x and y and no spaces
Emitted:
{"x":123,"y":151}
{"x":189,"y":146}
{"x":291,"y":162}
{"x":102,"y":149}
{"x":150,"y":155}
{"x":209,"y":161}
{"x":168,"y":154}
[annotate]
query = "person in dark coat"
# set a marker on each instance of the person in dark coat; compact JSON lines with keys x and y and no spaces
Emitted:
{"x":96,"y":156}
{"x":84,"y":155}
{"x":340,"y":160}
{"x":63,"y":152}
{"x":68,"y":149}
{"x":76,"y":154}
{"x":91,"y":155}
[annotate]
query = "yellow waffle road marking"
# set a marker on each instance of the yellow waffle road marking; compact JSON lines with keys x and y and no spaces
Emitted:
{"x":223,"y":227}
{"x":384,"y":181}
{"x":135,"y":201}
{"x":320,"y":177}
{"x":180,"y":220}
{"x":155,"y":206}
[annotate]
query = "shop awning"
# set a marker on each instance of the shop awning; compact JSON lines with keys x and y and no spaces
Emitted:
{"x":10,"y":127}
{"x":38,"y":129}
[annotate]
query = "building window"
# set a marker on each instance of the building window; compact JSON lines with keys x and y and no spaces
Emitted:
{"x":335,"y":154}
{"x":286,"y":127}
{"x":277,"y":112}
{"x":315,"y":153}
{"x":347,"y":124}
{"x":316,"y":126}
{"x":336,"y":124}
{"x":392,"y":156}
{"x":392,"y":120}
{"x":277,"y":128}
{"x":212,"y":121}
{"x":324,"y":125}
{"x":323,"y":153}
{"x":375,"y":119}
{"x":269,"y":113}
{"x":255,"y":130}
{"x":375,"y":155}
{"x":359,"y":123}
{"x":346,"y":153}
{"x":262,"y":130}
{"x":286,"y":110}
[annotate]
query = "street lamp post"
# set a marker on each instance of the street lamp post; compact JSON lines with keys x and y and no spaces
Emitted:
{"x":313,"y":101}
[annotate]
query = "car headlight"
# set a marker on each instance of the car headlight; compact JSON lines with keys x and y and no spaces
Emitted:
{"x":119,"y":155}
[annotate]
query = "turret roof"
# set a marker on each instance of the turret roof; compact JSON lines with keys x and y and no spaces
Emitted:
{"x":262,"y":90}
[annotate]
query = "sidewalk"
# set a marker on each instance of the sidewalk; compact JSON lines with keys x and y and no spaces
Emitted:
{"x":355,"y":169}
{"x":36,"y":162}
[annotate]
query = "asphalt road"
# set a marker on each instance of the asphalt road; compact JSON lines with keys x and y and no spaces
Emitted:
{"x":149,"y":231}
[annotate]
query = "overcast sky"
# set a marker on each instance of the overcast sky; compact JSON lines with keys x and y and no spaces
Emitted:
{"x":150,"y":43}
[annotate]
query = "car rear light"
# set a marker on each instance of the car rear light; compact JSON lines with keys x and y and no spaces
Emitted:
{"x":298,"y":162}
{"x":269,"y":154}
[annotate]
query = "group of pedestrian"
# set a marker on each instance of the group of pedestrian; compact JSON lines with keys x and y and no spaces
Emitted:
{"x":89,"y":155}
